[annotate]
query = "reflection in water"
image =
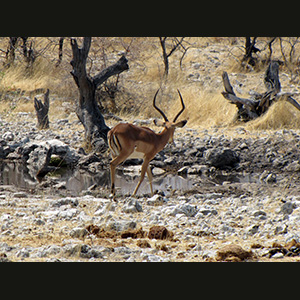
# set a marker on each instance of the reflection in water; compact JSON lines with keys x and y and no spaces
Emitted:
{"x":15,"y":173}
{"x":125,"y":184}
{"x":75,"y":181}
{"x":12,"y":173}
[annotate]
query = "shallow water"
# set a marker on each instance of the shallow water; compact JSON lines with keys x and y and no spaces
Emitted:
{"x":75,"y":181}
{"x":17,"y":174}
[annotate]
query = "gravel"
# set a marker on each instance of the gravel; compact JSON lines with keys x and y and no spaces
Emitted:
{"x":250,"y":201}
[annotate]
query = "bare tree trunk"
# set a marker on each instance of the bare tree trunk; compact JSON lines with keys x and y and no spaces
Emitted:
{"x":42,"y":110}
{"x":10,"y":52}
{"x":60,"y":51}
{"x":29,"y":54}
{"x":165,"y":55}
{"x":249,"y":49}
{"x":88,"y":110}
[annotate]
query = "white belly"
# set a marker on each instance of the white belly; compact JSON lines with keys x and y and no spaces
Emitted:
{"x":136,"y":154}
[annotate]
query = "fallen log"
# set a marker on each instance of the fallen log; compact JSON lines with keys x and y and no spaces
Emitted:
{"x":249,"y":109}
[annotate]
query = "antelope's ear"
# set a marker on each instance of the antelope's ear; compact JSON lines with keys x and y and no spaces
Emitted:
{"x":159,"y":122}
{"x":180,"y":124}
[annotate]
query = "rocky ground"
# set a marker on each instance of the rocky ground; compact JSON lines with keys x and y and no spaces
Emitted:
{"x":234,"y":196}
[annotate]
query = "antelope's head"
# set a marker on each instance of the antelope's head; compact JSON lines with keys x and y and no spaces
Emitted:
{"x":169,"y":126}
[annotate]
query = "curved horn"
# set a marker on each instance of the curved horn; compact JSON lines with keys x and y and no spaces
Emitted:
{"x":159,"y":110}
{"x":183,"y":107}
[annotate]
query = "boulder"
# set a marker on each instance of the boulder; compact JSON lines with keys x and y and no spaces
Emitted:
{"x":38,"y":161}
{"x":221,"y":158}
{"x":37,"y":155}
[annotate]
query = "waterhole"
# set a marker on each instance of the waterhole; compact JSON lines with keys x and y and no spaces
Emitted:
{"x":17,"y":174}
{"x":75,"y":181}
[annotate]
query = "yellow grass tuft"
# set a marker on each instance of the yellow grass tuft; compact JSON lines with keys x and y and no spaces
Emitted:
{"x":204,"y":108}
{"x":280,"y":115}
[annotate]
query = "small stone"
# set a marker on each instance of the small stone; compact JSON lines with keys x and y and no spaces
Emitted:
{"x":252,"y":229}
{"x":68,"y":213}
{"x":287,"y":208}
{"x":183,"y":170}
{"x":171,"y":161}
{"x":23,"y":253}
{"x":292,"y":167}
{"x":271,"y":178}
{"x":197,"y":169}
{"x":278,"y":255}
{"x":132,"y":206}
{"x":78,"y":232}
{"x":143,"y":244}
{"x":121,"y":225}
{"x":281,"y":229}
{"x":39,"y":222}
{"x":8,"y":136}
{"x":187,"y":209}
{"x":20,"y":195}
{"x":258,"y":213}
{"x":155,"y":200}
{"x":157,"y":171}
{"x":64,"y":201}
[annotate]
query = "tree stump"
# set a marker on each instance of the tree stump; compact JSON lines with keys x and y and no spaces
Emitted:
{"x":42,"y":110}
{"x":249,"y":109}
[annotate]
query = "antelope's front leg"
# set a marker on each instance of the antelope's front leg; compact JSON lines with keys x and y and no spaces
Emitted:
{"x":143,"y":171}
{"x":149,"y":173}
{"x":112,"y":180}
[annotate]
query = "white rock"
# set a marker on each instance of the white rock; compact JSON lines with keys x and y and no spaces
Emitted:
{"x":68,"y":213}
{"x":155,"y":200}
{"x":278,"y":255}
{"x":157,"y":171}
{"x":8,"y":136}
{"x":187,"y":209}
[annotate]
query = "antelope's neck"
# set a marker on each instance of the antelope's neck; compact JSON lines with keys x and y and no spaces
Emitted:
{"x":164,"y":137}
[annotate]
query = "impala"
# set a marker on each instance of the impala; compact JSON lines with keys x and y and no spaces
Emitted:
{"x":129,"y":141}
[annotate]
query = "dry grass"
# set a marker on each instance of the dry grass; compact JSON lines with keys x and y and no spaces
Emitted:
{"x":280,"y":115}
{"x":205,"y":106}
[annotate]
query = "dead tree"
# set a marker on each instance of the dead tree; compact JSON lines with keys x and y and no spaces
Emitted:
{"x":60,"y":50}
{"x":249,"y":49}
{"x":249,"y":109}
{"x":42,"y":110}
{"x":166,"y":55}
{"x":10,"y":52}
{"x":29,"y":54}
{"x":87,"y":109}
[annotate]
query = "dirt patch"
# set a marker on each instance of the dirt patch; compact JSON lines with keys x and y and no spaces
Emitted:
{"x":103,"y":233}
{"x":160,"y":233}
{"x":143,"y":244}
{"x":233,"y":253}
